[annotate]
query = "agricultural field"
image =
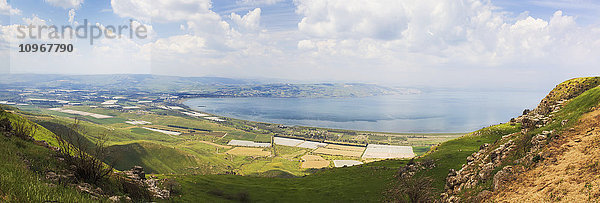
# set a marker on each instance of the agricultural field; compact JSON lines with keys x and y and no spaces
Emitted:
{"x":248,"y":151}
{"x":345,"y":148}
{"x":375,"y":151}
{"x":338,"y":152}
{"x":346,"y":163}
{"x":314,"y":161}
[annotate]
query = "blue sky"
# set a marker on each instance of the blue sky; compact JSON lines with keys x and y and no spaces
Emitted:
{"x":460,"y":43}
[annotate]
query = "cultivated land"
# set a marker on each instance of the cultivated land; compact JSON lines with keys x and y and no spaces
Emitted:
{"x":338,"y":152}
{"x":193,"y":150}
{"x":313,"y":161}
{"x":247,"y":151}
{"x":199,"y":146}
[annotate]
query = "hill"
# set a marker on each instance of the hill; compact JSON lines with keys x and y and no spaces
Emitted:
{"x":197,"y":86}
{"x":550,"y":159}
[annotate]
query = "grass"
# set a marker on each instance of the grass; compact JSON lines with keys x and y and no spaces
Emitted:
{"x":573,"y":110}
{"x":420,"y":150}
{"x":18,"y":183}
{"x":155,"y":158}
{"x":353,"y":184}
{"x":23,"y":181}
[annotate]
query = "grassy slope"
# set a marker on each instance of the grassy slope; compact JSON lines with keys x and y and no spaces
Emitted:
{"x":352,"y":184}
{"x":22,"y":181}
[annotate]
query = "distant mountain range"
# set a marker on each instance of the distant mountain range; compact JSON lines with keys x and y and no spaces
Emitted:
{"x":194,"y":85}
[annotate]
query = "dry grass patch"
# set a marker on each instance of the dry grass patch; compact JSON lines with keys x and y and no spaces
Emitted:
{"x":314,"y":161}
{"x":248,"y":151}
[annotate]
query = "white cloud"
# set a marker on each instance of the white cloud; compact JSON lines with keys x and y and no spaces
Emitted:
{"x":250,"y":21}
{"x":66,"y":4}
{"x":71,"y":16}
{"x":6,"y":9}
{"x":196,"y":14}
{"x":164,"y":10}
{"x":180,"y":44}
{"x":441,"y":29}
{"x":259,"y":2}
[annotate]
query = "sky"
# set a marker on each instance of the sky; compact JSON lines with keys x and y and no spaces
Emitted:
{"x":518,"y":44}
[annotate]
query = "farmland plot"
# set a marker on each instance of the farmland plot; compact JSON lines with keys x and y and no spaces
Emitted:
{"x":311,"y":145}
{"x":345,"y":148}
{"x":338,"y":152}
{"x":342,"y":163}
{"x":314,"y":161}
{"x":248,"y":143}
{"x":375,"y":151}
{"x":287,"y":141}
{"x":247,"y":151}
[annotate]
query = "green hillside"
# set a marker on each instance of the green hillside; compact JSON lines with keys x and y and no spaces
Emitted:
{"x":23,"y":167}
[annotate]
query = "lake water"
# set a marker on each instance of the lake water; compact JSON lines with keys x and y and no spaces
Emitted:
{"x":435,"y":111}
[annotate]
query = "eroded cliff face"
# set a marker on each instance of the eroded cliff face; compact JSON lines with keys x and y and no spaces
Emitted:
{"x":551,"y":159}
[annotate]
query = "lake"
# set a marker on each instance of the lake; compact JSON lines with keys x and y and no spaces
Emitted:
{"x":428,"y":112}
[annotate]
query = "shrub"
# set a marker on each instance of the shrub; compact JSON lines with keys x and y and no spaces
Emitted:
{"x":173,"y":186}
{"x":22,"y":129}
{"x":5,"y":125}
{"x":87,"y":162}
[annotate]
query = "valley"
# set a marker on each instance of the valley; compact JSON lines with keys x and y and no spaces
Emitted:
{"x":214,"y":158}
{"x":197,"y":145}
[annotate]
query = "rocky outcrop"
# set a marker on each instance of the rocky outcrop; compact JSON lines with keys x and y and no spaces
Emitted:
{"x":138,"y":175}
{"x":479,"y":168}
{"x":502,"y":177}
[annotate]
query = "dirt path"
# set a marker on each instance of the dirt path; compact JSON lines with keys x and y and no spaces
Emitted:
{"x":569,"y":173}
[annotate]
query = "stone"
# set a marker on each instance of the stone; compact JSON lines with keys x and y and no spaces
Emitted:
{"x":502,"y":177}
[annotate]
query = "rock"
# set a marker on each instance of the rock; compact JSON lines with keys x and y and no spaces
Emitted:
{"x":483,"y":195}
{"x":136,"y":173}
{"x":115,"y":198}
{"x":470,"y":159}
{"x":41,"y":143}
{"x":51,"y":176}
{"x":87,"y":188}
{"x":452,"y":172}
{"x":502,"y":177}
